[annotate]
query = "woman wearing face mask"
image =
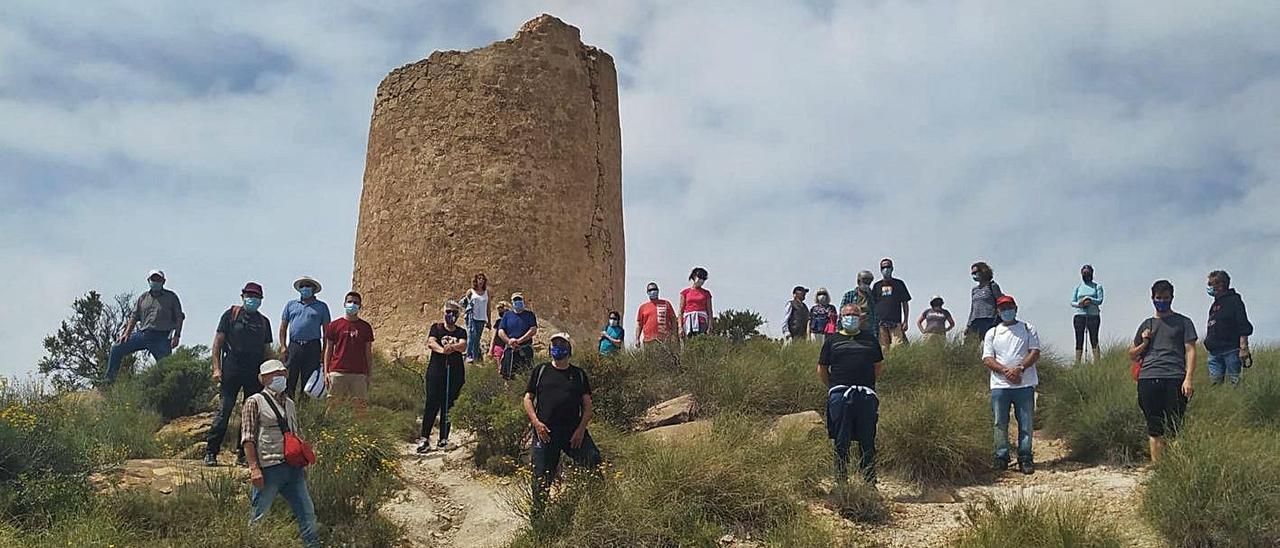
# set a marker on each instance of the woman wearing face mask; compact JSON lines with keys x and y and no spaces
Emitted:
{"x":612,"y":334}
{"x":1087,"y":301}
{"x":445,"y":374}
{"x":477,"y":312}
{"x":982,"y":305}
{"x":822,"y":316}
{"x":695,"y":305}
{"x":498,"y":345}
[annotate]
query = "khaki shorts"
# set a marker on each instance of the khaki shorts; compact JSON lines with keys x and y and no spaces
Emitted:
{"x":348,"y":386}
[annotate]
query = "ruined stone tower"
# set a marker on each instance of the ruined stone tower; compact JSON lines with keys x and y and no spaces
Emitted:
{"x":505,"y":160}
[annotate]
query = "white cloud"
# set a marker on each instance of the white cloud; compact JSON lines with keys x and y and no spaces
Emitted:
{"x":772,"y":143}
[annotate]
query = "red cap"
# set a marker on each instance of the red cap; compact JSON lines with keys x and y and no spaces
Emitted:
{"x":1006,"y":299}
{"x":252,"y":289}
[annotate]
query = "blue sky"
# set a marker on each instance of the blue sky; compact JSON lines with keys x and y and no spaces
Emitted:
{"x":772,"y":143}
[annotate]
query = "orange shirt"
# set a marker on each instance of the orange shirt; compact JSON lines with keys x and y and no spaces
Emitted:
{"x":657,"y":320}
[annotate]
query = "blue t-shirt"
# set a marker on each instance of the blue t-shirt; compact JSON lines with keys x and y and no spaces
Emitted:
{"x":606,"y":346}
{"x":306,"y":321}
{"x":517,"y":324}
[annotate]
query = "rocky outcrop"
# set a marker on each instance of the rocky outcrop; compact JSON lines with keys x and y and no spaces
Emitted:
{"x":679,"y":432}
{"x":505,"y":160}
{"x":163,"y":476}
{"x":673,"y":411}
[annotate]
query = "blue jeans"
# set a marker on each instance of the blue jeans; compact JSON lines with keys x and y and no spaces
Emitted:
{"x":852,"y":415}
{"x":291,"y":483}
{"x":155,"y":342}
{"x":474,"y":330}
{"x":1225,"y":364}
{"x":1023,"y":401}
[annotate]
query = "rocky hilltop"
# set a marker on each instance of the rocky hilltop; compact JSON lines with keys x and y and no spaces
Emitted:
{"x":506,"y":160}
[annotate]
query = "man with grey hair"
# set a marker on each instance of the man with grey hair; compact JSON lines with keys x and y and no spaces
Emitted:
{"x":155,"y":325}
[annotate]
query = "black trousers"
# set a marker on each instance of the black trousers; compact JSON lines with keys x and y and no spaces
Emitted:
{"x":545,"y":458}
{"x":233,"y":383}
{"x":852,"y":416}
{"x":304,"y":359}
{"x":442,"y":392}
{"x":1085,"y":323}
{"x":516,"y":360}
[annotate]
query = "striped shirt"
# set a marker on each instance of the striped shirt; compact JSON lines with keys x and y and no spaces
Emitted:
{"x":983,"y":303}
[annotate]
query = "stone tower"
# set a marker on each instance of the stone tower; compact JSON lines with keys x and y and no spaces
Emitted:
{"x":505,"y":160}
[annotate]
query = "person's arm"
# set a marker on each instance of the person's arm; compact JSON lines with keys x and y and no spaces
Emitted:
{"x":711,"y":315}
{"x":581,"y":431}
{"x":920,"y":321}
{"x":218,"y":340}
{"x":1246,"y":329}
{"x":951,"y":322}
{"x":433,"y":344}
{"x":1140,"y":343}
{"x":1187,"y":390}
{"x":879,"y":366}
{"x":178,"y":318}
{"x":542,"y":431}
{"x":503,"y":334}
{"x":786,"y":320}
{"x":1098,"y":301}
{"x":989,"y":354}
{"x":906,"y":313}
{"x":284,"y":333}
{"x":824,"y":374}
{"x":681,"y":315}
{"x":328,"y":357}
{"x":1075,"y":297}
{"x":249,"y":439}
{"x":368,"y":357}
{"x":528,"y":335}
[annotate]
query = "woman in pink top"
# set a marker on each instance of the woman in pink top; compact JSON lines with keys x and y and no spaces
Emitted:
{"x":695,"y":305}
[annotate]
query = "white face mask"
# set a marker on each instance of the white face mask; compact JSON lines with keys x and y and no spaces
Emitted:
{"x":277,"y":384}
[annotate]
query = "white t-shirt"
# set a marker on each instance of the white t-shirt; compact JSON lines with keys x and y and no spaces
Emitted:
{"x":479,"y":305}
{"x":1009,"y":345}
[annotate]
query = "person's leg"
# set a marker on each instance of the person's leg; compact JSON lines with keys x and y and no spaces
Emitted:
{"x":1000,"y":401}
{"x":294,"y":367}
{"x":455,"y":382}
{"x":586,"y":455}
{"x":260,"y":499}
{"x":1151,"y":401}
{"x":1217,"y":368}
{"x":840,"y":430}
{"x":431,"y":404}
{"x":294,"y":490}
{"x":228,"y":388}
{"x":159,"y":344}
{"x":1024,"y":408}
{"x":885,"y":338}
{"x":1078,"y":322}
{"x":476,"y":329}
{"x":544,"y":458}
{"x":899,"y":337}
{"x":136,"y":341}
{"x":1092,"y":325}
{"x":1233,"y":366}
{"x":866,"y":414}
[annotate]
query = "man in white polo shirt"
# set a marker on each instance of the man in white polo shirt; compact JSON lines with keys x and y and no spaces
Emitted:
{"x":1010,"y":350}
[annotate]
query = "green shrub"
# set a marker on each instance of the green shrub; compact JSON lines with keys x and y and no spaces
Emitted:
{"x":356,"y":468}
{"x":802,"y":532}
{"x":489,"y":407}
{"x":1217,"y":485}
{"x":935,"y":434}
{"x":1094,"y":408}
{"x":398,"y":384}
{"x":1037,"y":522}
{"x":179,"y":385}
{"x":219,"y":501}
{"x":759,"y":376}
{"x":46,"y":454}
{"x":626,"y":384}
{"x":859,"y":501}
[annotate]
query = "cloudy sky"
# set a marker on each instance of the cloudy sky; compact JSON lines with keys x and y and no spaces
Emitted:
{"x":773,"y":143}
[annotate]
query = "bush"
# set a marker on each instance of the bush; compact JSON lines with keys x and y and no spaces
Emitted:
{"x":626,"y":384}
{"x":356,"y":464}
{"x":1217,"y":485}
{"x":1094,"y":408}
{"x":179,"y":385}
{"x":935,"y":434}
{"x":46,"y":455}
{"x":1037,"y":522}
{"x":489,"y":407}
{"x":398,"y":384}
{"x":760,"y":376}
{"x":859,"y":501}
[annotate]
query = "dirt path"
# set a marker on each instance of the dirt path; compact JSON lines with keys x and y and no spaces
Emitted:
{"x":448,"y":503}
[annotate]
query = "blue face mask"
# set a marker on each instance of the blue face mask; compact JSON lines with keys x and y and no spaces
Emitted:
{"x":352,"y":308}
{"x":251,"y":304}
{"x":450,"y":317}
{"x":156,"y":286}
{"x":517,"y":305}
{"x":653,"y":293}
{"x":560,"y":352}
{"x":977,"y":277}
{"x":306,"y":292}
{"x":850,"y":323}
{"x":1210,"y":291}
{"x":887,"y":272}
{"x":1009,"y":315}
{"x":1161,"y":306}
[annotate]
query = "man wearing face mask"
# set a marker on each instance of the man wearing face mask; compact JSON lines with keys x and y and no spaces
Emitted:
{"x":795,"y":324}
{"x":1165,"y":345}
{"x":302,"y":332}
{"x":892,"y":309}
{"x":240,"y":345}
{"x":1227,"y":335}
{"x":557,"y":401}
{"x":862,"y":296}
{"x":656,"y":319}
{"x":157,"y":316}
{"x":823,"y":317}
{"x":519,"y":326}
{"x":1010,"y":351}
{"x":445,"y":374}
{"x":612,"y":335}
{"x":849,"y":364}
{"x":348,"y":355}
{"x":263,"y":442}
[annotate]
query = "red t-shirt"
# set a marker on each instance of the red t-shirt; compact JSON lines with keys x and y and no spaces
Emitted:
{"x":349,"y":341}
{"x":696,"y":299}
{"x":657,"y":320}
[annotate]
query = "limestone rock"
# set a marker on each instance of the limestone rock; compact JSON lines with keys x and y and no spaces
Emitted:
{"x":679,"y":432}
{"x":162,"y":476}
{"x":806,"y":420}
{"x":673,"y":411}
{"x":506,"y":160}
{"x":193,"y":428}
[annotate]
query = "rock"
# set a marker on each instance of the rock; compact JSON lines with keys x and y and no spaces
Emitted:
{"x":679,"y":432}
{"x":673,"y":411}
{"x":726,"y":539}
{"x":193,"y":428}
{"x":804,"y":420}
{"x":504,"y":160}
{"x":939,"y":495}
{"x":162,"y":476}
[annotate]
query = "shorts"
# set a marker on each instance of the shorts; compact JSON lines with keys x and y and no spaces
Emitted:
{"x":1162,"y":404}
{"x":343,"y":386}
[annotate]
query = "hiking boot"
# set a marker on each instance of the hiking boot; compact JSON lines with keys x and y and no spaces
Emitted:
{"x":241,"y":461}
{"x":1001,"y":464}
{"x":424,"y":447}
{"x":1026,"y":467}
{"x":443,"y":444}
{"x":210,"y":459}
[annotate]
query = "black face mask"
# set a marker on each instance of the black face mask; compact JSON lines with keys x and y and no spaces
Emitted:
{"x":1086,"y":277}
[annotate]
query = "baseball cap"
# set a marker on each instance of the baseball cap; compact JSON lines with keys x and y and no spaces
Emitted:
{"x":562,"y":336}
{"x":253,"y":289}
{"x":306,"y":279}
{"x":271,"y":366}
{"x":517,"y":295}
{"x":1006,"y":299}
{"x":800,"y":288}
{"x":935,"y":298}
{"x":452,"y":305}
{"x":156,"y":272}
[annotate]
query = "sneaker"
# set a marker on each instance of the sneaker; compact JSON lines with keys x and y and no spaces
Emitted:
{"x":443,"y":444}
{"x":424,"y":447}
{"x":241,"y":461}
{"x":210,"y":459}
{"x":1001,"y":464}
{"x":1027,"y":467}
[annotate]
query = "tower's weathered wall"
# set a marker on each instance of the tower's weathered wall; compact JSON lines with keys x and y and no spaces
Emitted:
{"x":505,"y":160}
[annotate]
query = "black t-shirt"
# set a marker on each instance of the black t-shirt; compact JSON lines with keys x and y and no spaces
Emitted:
{"x":557,"y":394}
{"x":851,"y":360}
{"x":437,"y":363}
{"x":889,"y":298}
{"x":247,"y":337}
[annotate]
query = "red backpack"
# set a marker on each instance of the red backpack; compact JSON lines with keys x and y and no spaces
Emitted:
{"x":297,"y":453}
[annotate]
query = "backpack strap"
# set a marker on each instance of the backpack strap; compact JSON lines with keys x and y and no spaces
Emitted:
{"x":284,"y":424}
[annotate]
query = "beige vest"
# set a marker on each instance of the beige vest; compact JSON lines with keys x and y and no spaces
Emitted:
{"x":270,"y":444}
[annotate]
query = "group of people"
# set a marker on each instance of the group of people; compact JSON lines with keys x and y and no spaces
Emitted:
{"x":333,"y":358}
